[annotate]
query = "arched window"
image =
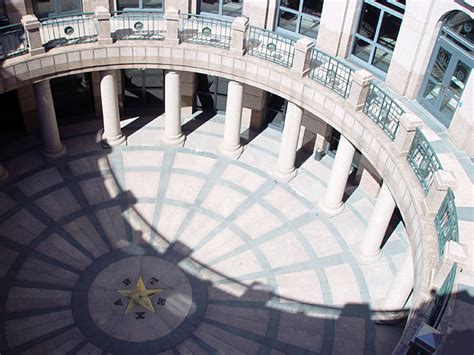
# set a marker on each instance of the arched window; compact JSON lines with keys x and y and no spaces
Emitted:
{"x":449,"y":67}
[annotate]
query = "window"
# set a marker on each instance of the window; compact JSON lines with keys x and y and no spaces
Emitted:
{"x":300,"y":17}
{"x":50,"y":8}
{"x":229,"y":8}
{"x":150,"y":5}
{"x":377,"y":33}
{"x":211,"y":93}
{"x":3,"y":14}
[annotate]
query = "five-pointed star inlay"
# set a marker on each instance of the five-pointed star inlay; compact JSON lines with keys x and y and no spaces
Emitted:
{"x":140,"y":296}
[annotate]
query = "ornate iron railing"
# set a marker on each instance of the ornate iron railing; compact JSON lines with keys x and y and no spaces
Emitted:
{"x":270,"y":46}
{"x":330,"y":72}
{"x":442,"y":298}
{"x":13,"y":41}
{"x":383,"y":110}
{"x":446,"y":222}
{"x":205,"y":30}
{"x":422,"y":158}
{"x":67,"y":30}
{"x":137,"y":26}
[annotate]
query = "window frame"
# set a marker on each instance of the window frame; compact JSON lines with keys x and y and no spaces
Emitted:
{"x":373,"y":43}
{"x":57,"y":12}
{"x":220,"y":14}
{"x":300,"y":15}
{"x":140,"y":7}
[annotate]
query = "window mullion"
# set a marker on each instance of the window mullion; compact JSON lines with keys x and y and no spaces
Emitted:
{"x":376,"y":36}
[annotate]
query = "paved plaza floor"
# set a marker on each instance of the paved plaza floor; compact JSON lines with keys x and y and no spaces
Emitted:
{"x":145,"y":249}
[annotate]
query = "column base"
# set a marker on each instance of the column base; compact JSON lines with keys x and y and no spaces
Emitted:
{"x":285,"y":175}
{"x":331,"y":211}
{"x":53,"y":154}
{"x":231,"y":152}
{"x":365,"y":258}
{"x":3,"y":174}
{"x":177,"y":141}
{"x":108,"y":142}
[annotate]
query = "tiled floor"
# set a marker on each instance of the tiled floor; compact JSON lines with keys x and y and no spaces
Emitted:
{"x":248,"y":263}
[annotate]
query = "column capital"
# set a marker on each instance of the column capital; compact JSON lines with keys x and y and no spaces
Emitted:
{"x":102,"y":13}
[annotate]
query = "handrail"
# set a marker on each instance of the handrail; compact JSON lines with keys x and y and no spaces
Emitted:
{"x":330,"y":72}
{"x":270,"y":46}
{"x":70,"y":29}
{"x":446,"y":222}
{"x":13,"y":41}
{"x":209,"y":31}
{"x":423,"y":160}
{"x":383,"y":110}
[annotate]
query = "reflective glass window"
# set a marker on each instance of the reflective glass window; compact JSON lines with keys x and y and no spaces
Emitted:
{"x":231,"y":8}
{"x":368,"y":21}
{"x":300,"y":17}
{"x":389,"y":31}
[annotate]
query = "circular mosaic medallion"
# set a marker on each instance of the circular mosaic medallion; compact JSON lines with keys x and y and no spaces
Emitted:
{"x":138,"y":26}
{"x":68,"y":30}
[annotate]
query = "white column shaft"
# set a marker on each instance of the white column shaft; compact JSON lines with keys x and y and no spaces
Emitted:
{"x":400,"y":287}
{"x":110,"y":109}
{"x":369,"y":246}
{"x":52,"y":146}
{"x":289,"y":142}
{"x":233,"y":118}
{"x":332,"y":200}
{"x":172,"y":134}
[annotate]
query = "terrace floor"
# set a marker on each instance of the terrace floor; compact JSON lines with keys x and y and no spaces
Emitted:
{"x":142,"y":249}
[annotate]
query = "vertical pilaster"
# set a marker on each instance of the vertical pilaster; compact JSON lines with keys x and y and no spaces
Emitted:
{"x":172,"y":25}
{"x":239,"y":35}
{"x":301,"y":62}
{"x":409,"y":122}
{"x":331,"y":203}
{"x":442,"y":181}
{"x":359,"y":89}
{"x":286,"y":170}
{"x":172,"y":134}
{"x":368,"y":250}
{"x":52,"y":146}
{"x":230,"y":145}
{"x":32,"y":29}
{"x":112,"y":135}
{"x":103,"y":17}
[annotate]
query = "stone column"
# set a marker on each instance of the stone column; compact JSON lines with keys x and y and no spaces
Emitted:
{"x":3,"y":173}
{"x":289,"y":142}
{"x":368,"y":250}
{"x":172,"y":134}
{"x":400,"y":287}
{"x":52,"y":146}
{"x":112,"y":135}
{"x":302,"y":60}
{"x":32,"y":29}
{"x":359,"y":89}
{"x":239,"y":35}
{"x":230,"y":145}
{"x":172,"y":26}
{"x":103,"y":17}
{"x":331,"y":203}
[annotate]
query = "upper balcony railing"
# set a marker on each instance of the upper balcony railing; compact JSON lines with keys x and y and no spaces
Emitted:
{"x":13,"y":41}
{"x":205,"y":30}
{"x":383,"y":110}
{"x":330,"y":72}
{"x":137,"y":26}
{"x":446,"y":222}
{"x":68,"y":30}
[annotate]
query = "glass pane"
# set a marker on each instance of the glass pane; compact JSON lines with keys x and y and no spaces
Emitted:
{"x":368,"y":21}
{"x":459,"y":78}
{"x":122,"y":4}
{"x":232,"y":8}
{"x":222,"y":84}
{"x":153,"y":4}
{"x":432,"y":91}
{"x":291,"y":4}
{"x":462,"y":23}
{"x":362,"y":49}
{"x":44,"y":8}
{"x":382,"y":59}
{"x":288,"y":20}
{"x":313,"y":7}
{"x":389,"y":31}
{"x":448,"y":107}
{"x":211,"y":6}
{"x":68,"y":6}
{"x":309,"y":27}
{"x":441,"y":64}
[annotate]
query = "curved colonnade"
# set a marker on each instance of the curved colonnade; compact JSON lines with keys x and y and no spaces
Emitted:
{"x":400,"y":186}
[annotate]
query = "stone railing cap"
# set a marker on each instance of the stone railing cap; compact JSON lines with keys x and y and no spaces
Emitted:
{"x":102,"y":13}
{"x":410,"y":121}
{"x":240,"y":23}
{"x":172,"y":13}
{"x":444,"y":179}
{"x":456,"y":252}
{"x":30,"y":22}
{"x":304,"y":44}
{"x":362,"y":76}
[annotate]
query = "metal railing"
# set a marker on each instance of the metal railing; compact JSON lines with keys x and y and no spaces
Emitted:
{"x":383,"y":110}
{"x":205,"y":30}
{"x":138,"y":26}
{"x":67,"y":30}
{"x":270,"y":46}
{"x":13,"y":41}
{"x":442,"y":298}
{"x":330,"y":72}
{"x":446,"y":222}
{"x":422,"y":158}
